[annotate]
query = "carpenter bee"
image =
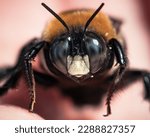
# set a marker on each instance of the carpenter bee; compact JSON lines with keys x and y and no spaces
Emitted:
{"x":83,"y":53}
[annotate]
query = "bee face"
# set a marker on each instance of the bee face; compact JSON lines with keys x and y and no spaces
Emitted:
{"x":77,"y":55}
{"x":77,"y":43}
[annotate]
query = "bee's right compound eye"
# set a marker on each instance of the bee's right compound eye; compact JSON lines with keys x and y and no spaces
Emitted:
{"x":58,"y":54}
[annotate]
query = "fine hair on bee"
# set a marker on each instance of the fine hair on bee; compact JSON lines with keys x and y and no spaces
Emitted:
{"x":83,"y":53}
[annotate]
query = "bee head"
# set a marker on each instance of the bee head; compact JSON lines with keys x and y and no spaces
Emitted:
{"x":77,"y":53}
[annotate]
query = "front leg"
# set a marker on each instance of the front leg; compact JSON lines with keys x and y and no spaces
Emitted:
{"x":12,"y":74}
{"x":121,"y":58}
{"x":28,"y":58}
{"x":27,"y":54}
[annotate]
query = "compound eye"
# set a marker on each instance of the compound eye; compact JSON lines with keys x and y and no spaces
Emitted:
{"x":58,"y":54}
{"x":94,"y":46}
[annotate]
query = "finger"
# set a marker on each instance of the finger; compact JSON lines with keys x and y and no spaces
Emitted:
{"x":16,"y":113}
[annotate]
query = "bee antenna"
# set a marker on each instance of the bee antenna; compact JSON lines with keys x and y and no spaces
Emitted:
{"x":57,"y":16}
{"x":92,"y":17}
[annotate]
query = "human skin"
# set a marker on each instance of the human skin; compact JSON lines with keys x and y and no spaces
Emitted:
{"x":22,"y":20}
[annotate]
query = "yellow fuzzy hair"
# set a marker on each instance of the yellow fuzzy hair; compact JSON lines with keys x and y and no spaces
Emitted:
{"x":101,"y":24}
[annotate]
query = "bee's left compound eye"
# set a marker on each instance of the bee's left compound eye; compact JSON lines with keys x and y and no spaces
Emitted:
{"x":58,"y":54}
{"x":94,"y":46}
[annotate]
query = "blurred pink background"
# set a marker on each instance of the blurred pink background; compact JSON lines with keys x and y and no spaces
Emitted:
{"x":25,"y":19}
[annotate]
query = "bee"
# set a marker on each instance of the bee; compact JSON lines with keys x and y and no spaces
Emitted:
{"x":83,"y":53}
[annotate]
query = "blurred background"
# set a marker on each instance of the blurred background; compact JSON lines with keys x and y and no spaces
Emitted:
{"x":22,"y":20}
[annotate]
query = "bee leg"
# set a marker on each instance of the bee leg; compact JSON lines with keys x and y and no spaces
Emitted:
{"x":10,"y":75}
{"x":10,"y":82}
{"x":28,"y":58}
{"x":132,"y":76}
{"x":122,"y":61}
{"x":5,"y":72}
{"x":146,"y":79}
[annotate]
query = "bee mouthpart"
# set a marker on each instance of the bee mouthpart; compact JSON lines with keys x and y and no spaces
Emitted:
{"x":78,"y":66}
